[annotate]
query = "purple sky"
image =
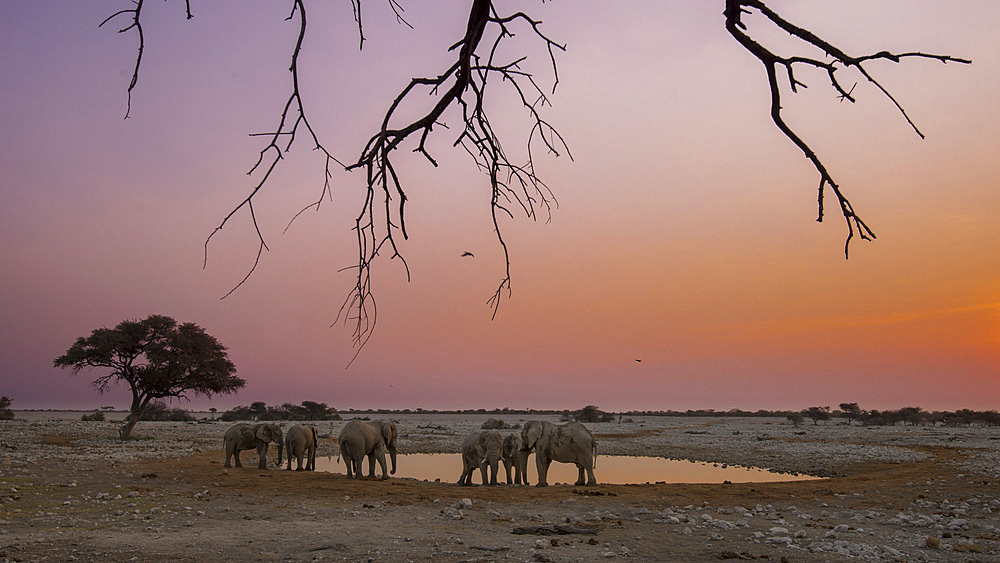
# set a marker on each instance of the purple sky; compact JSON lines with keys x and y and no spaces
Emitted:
{"x":685,"y":234}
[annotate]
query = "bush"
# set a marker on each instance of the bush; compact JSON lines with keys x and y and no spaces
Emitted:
{"x":308,"y":410}
{"x":158,"y":410}
{"x":5,"y":412}
{"x":590,"y":413}
{"x":494,"y":424}
{"x":97,"y":416}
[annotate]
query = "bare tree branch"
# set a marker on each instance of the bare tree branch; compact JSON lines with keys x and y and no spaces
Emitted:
{"x":292,"y":116}
{"x":837,"y":60}
{"x":464,"y":84}
{"x":464,"y":88}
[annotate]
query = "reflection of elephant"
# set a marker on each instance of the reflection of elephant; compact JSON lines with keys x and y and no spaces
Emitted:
{"x":301,"y":441}
{"x":481,"y":449}
{"x":513,"y":456}
{"x":568,"y":443}
{"x":252,"y":437}
{"x":359,"y":439}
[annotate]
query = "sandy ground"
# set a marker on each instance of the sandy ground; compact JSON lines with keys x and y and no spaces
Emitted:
{"x":70,"y":491}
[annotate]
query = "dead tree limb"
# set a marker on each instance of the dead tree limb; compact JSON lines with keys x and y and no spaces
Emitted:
{"x":836,"y":60}
{"x":465,"y":85}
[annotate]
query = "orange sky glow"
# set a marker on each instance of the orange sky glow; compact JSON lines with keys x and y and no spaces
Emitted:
{"x":685,"y":234}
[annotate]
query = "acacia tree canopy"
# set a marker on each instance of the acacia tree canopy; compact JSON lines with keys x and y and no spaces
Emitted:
{"x":158,"y":358}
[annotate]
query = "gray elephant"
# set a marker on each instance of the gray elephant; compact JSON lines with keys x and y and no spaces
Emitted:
{"x":359,"y":439}
{"x":481,"y":450}
{"x":301,"y":442}
{"x":252,"y":437}
{"x":514,"y":457}
{"x":566,"y":443}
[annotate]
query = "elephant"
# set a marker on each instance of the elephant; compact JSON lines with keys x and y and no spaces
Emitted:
{"x":566,"y":443}
{"x":359,"y":439}
{"x":511,"y":456}
{"x":479,"y":450}
{"x":249,"y":437}
{"x":301,"y":441}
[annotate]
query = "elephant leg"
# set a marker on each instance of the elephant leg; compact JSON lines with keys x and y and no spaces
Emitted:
{"x":591,"y":480}
{"x":381,"y":464}
{"x":236,"y":456}
{"x":262,"y":457}
{"x":542,"y":466}
{"x":229,"y":455}
{"x":579,"y":478}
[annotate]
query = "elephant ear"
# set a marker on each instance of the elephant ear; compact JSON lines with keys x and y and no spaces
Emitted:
{"x":388,"y":432}
{"x":530,"y":435}
{"x":263,"y":433}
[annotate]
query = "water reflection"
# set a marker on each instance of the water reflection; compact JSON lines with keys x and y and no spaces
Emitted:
{"x":609,"y":470}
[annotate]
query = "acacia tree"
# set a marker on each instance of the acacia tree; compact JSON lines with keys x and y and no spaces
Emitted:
{"x":817,"y":414}
{"x":851,"y":411}
{"x":463,"y":91}
{"x":158,"y":358}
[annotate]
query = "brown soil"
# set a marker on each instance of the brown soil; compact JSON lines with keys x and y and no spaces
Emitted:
{"x":191,"y":508}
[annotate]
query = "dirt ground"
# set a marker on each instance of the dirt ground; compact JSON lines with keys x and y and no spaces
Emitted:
{"x":70,"y":492}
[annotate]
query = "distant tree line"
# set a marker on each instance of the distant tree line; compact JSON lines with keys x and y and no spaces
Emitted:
{"x":5,"y":412}
{"x":908,"y":416}
{"x":257,"y":411}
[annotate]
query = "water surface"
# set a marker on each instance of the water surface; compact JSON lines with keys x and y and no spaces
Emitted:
{"x":610,"y":469}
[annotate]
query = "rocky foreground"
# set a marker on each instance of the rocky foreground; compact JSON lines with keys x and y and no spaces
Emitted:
{"x":69,"y":490}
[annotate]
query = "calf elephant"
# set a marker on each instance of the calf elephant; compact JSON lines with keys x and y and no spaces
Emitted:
{"x":514,"y":457}
{"x":481,"y":450}
{"x":566,"y":443}
{"x":359,"y":439}
{"x":301,"y":442}
{"x":252,"y":437}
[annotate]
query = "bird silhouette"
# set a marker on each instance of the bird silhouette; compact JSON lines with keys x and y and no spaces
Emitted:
{"x":638,"y":360}
{"x":467,"y":253}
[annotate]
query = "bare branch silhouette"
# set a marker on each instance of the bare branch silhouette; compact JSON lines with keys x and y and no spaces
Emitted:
{"x":292,"y":116}
{"x":462,"y":89}
{"x":837,"y":60}
{"x":465,"y":85}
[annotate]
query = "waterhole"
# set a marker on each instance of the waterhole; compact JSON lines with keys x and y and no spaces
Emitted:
{"x":610,"y":470}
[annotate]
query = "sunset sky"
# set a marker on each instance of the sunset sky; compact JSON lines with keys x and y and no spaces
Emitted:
{"x":685,"y":234}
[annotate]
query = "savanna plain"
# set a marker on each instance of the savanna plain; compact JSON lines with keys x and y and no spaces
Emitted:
{"x":72,"y":491}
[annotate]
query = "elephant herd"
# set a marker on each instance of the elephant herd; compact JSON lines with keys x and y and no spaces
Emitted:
{"x":483,"y":450}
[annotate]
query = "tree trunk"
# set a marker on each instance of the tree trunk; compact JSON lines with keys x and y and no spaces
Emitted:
{"x":134,"y":414}
{"x":126,"y":430}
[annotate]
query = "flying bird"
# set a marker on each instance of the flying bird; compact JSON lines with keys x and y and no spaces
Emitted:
{"x":638,"y":360}
{"x":467,"y":253}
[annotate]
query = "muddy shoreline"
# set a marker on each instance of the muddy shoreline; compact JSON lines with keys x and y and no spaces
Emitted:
{"x":71,"y":491}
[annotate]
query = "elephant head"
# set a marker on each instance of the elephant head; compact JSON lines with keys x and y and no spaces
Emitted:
{"x":530,"y":434}
{"x":513,"y":457}
{"x":389,"y":434}
{"x":490,"y":448}
{"x":271,"y":433}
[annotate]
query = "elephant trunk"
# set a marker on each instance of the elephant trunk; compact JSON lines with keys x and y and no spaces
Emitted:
{"x":493,"y":461}
{"x":279,"y":454}
{"x":392,"y":457}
